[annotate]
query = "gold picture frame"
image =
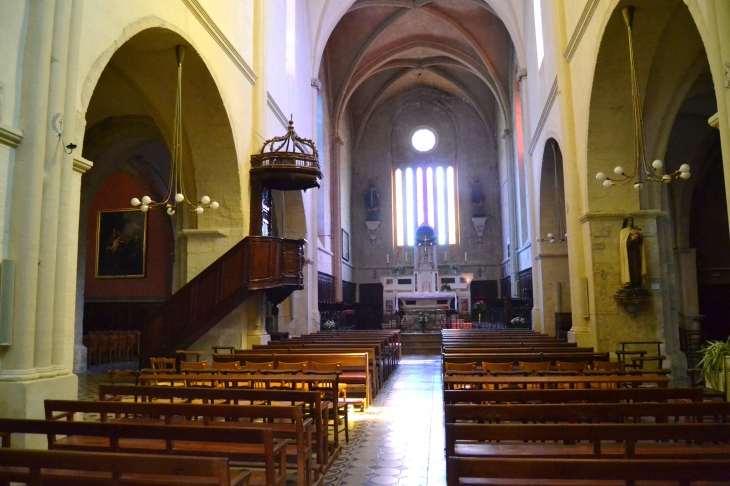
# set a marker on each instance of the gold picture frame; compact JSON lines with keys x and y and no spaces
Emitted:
{"x":121,"y":244}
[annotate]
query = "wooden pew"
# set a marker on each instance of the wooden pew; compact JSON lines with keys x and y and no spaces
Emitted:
{"x":689,"y":412}
{"x":355,"y":366}
{"x":589,"y":441}
{"x":234,"y":443}
{"x":477,"y":381}
{"x":516,"y":357}
{"x":286,"y":422}
{"x":101,"y":469}
{"x":311,"y":401}
{"x":608,"y":395}
{"x":478,"y":471}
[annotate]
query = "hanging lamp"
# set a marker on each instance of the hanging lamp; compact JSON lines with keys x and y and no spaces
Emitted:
{"x":176,"y":196}
{"x":642,"y":171}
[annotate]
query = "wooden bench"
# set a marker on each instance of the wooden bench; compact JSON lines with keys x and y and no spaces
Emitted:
{"x":286,"y":422}
{"x":311,"y":402}
{"x":355,"y":367}
{"x":100,"y":469}
{"x":246,"y":445}
{"x":607,"y":395}
{"x":509,"y":357}
{"x":597,"y":441}
{"x":553,"y":381}
{"x":489,"y":471}
{"x":690,"y":412}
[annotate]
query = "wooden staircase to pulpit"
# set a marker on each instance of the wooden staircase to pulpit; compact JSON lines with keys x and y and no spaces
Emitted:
{"x":256,"y":263}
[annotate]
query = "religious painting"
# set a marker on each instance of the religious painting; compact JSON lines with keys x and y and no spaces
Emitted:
{"x":121,"y":244}
{"x":345,"y":246}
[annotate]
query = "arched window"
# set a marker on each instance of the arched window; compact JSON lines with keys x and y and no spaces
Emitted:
{"x":425,"y":194}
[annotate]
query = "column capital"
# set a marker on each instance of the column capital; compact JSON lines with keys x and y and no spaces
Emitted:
{"x":521,"y":74}
{"x":81,"y":165}
{"x":316,"y":84}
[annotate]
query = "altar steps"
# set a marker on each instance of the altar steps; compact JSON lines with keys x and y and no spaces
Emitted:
{"x":428,"y":343}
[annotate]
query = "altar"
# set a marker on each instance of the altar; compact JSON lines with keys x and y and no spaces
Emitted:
{"x":424,"y":298}
{"x":406,"y":301}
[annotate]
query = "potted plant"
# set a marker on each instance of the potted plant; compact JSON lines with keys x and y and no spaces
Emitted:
{"x":714,"y":363}
{"x":329,"y":325}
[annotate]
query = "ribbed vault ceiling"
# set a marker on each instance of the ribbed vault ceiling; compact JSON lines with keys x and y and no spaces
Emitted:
{"x":383,"y":48}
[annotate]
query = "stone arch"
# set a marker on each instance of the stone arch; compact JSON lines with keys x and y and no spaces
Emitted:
{"x":128,"y":99}
{"x":552,"y":262}
{"x":671,"y":62}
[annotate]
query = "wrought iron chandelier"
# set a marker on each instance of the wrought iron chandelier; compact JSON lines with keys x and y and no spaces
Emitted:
{"x":176,"y":191}
{"x":643,"y":170}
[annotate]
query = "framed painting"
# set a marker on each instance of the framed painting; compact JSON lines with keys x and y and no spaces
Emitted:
{"x":121,"y":244}
{"x":345,"y":246}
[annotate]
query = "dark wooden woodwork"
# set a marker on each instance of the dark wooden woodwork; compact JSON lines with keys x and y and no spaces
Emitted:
{"x":257,"y":263}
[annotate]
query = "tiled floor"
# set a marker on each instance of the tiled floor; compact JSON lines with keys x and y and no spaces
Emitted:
{"x":399,"y":440}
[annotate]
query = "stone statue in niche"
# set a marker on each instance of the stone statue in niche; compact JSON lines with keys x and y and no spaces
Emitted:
{"x":631,"y":255}
{"x":372,"y":202}
{"x":477,"y":198}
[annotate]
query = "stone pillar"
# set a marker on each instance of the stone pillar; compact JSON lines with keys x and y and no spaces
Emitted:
{"x":336,"y":207}
{"x":25,"y":230}
{"x":583,"y":330}
{"x":27,"y":373}
{"x":253,"y":308}
{"x":509,"y":150}
{"x":72,"y":279}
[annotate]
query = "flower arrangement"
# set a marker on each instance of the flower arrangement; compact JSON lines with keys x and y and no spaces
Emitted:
{"x":329,"y":325}
{"x":518,"y":322}
{"x":445,"y":287}
{"x":398,"y":270}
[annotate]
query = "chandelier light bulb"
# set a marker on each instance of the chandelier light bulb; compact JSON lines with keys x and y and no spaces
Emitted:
{"x":205,"y":200}
{"x":135,"y":202}
{"x":170,"y":211}
{"x":606,"y":183}
{"x":566,"y":236}
{"x":550,"y":236}
{"x":666,"y":178}
{"x":199,"y":210}
{"x":601,"y":176}
{"x":684,"y":175}
{"x":637,"y":186}
{"x":618,"y":170}
{"x":179,"y":197}
{"x":144,"y":208}
{"x":146,"y":200}
{"x":214,"y":205}
{"x":657,"y":164}
{"x":684,"y":168}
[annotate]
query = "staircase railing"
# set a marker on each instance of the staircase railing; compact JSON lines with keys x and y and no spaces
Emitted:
{"x":255,"y":263}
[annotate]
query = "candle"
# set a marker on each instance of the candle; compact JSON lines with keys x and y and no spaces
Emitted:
{"x":387,"y":258}
{"x":465,"y":259}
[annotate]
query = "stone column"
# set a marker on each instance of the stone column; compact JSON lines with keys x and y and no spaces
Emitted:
{"x":253,"y":310}
{"x":71,"y":280}
{"x":718,"y":15}
{"x":25,"y":217}
{"x":509,"y":149}
{"x":336,"y":207}
{"x":27,"y":374}
{"x":583,"y":330}
{"x":69,"y":211}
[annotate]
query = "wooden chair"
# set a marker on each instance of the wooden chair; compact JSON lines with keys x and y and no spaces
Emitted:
{"x":341,"y":395}
{"x":530,"y":366}
{"x":570,"y":366}
{"x":123,"y":376}
{"x":487,"y":366}
{"x":293,"y":367}
{"x":608,"y":365}
{"x":226,"y":365}
{"x":254,"y":366}
{"x":192,"y":366}
{"x":162,"y":363}
{"x":460,"y":366}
